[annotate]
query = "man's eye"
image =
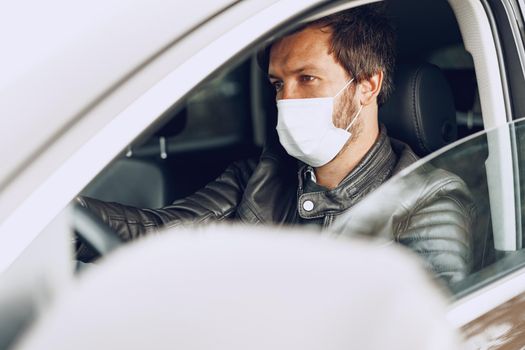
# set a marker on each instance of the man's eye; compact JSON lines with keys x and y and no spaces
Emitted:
{"x":278,"y":85}
{"x":307,"y":78}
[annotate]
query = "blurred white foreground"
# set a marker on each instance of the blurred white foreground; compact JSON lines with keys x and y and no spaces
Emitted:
{"x":227,"y":287}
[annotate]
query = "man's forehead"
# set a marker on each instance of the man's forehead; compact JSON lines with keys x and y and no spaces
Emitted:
{"x":305,"y":49}
{"x":306,"y":38}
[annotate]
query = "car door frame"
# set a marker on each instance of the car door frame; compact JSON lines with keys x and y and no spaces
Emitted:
{"x":506,"y":279}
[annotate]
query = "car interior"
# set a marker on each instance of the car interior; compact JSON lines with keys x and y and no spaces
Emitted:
{"x":228,"y":116}
{"x":435,"y":102}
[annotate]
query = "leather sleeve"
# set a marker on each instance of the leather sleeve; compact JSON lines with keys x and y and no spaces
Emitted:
{"x":271,"y":193}
{"x":439,"y":229}
{"x":429,"y":211}
{"x":217,"y":201}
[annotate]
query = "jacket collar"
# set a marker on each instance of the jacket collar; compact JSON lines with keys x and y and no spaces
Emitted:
{"x":374,"y":169}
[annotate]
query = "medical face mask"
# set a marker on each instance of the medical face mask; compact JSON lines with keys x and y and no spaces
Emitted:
{"x":306,"y":129}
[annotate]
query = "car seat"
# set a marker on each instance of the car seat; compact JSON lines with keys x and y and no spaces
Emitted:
{"x":135,"y":180}
{"x":421,"y":110}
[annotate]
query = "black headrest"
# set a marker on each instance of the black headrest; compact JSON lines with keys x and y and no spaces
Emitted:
{"x":421,"y":110}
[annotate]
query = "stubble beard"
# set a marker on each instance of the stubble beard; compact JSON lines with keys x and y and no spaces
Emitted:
{"x":344,"y":113}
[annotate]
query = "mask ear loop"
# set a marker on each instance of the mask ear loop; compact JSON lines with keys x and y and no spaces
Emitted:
{"x":360,"y":108}
{"x":355,"y":118}
{"x":344,"y":87}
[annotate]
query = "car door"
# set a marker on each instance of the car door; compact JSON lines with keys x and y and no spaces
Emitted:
{"x":489,"y":304}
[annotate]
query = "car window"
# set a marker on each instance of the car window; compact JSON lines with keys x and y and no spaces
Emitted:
{"x":473,"y":162}
{"x":209,"y":130}
{"x":220,"y":108}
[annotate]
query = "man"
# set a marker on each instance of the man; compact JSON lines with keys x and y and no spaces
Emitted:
{"x":330,"y":77}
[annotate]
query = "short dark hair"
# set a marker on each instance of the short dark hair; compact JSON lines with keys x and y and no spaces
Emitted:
{"x":363,"y":42}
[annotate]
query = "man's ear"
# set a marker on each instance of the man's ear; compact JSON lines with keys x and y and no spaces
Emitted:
{"x":370,"y":88}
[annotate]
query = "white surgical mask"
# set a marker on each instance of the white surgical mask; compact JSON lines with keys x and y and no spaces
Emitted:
{"x":306,"y":129}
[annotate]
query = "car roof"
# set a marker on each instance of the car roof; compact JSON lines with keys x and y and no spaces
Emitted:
{"x":60,"y":57}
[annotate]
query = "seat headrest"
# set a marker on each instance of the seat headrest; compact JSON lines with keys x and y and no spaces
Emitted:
{"x":421,"y":110}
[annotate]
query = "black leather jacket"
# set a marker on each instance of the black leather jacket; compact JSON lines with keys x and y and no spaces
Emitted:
{"x":432,"y":216}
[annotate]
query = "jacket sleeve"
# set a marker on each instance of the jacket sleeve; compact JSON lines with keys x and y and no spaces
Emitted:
{"x":439,"y":229}
{"x":217,"y":201}
{"x":430,"y":211}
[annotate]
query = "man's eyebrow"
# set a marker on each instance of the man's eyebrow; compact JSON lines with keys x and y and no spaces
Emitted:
{"x":298,"y":70}
{"x":305,"y":68}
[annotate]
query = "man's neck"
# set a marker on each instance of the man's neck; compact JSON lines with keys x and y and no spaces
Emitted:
{"x":331,"y":174}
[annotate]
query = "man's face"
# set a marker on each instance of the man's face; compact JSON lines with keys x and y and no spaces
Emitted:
{"x":301,"y":66}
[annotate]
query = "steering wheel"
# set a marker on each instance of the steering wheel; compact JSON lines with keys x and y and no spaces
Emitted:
{"x":93,"y":237}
